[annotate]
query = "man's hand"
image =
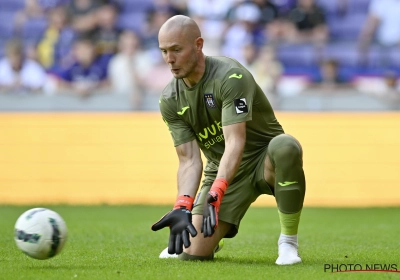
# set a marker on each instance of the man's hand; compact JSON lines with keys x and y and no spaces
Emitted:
{"x":211,"y":208}
{"x":179,"y":221}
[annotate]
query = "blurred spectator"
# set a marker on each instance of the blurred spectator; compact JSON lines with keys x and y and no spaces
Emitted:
{"x":269,"y":11}
{"x":176,"y":7}
{"x":383,"y":21}
{"x":106,"y":33}
{"x":19,"y":74}
{"x":306,"y":24}
{"x":180,"y":7}
{"x":249,"y":55}
{"x":128,"y":68}
{"x":392,"y":86}
{"x":155,"y":80}
{"x":267,"y":71}
{"x":329,"y":77}
{"x":244,"y":31}
{"x":391,"y":94}
{"x":386,"y":88}
{"x":88,"y":74}
{"x":32,"y":10}
{"x":211,"y":15}
{"x":54,"y":47}
{"x":156,"y":18}
{"x":83,"y":16}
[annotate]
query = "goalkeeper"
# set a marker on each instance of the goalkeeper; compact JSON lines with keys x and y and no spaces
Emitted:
{"x":214,"y":105}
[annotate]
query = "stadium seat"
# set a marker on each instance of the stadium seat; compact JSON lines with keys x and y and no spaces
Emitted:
{"x":6,"y":26}
{"x":297,"y":54}
{"x":136,"y":6}
{"x":132,"y":21}
{"x":347,"y":27}
{"x":358,"y":6}
{"x":345,"y":53}
{"x":33,"y":30}
{"x":329,"y":6}
{"x":11,"y":5}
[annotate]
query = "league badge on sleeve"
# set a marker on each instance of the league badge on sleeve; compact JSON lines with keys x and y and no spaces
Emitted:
{"x":209,"y":100}
{"x":241,"y":106}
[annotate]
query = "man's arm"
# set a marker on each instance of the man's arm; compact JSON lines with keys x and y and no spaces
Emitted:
{"x":367,"y":33}
{"x":179,"y":220}
{"x":235,"y":139}
{"x":190,"y":168}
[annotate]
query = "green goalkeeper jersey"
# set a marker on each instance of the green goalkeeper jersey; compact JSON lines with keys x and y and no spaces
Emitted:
{"x":226,"y":94}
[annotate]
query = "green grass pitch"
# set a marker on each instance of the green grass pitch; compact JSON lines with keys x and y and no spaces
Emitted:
{"x":115,"y":242}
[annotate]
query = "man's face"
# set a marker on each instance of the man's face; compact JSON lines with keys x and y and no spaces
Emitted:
{"x":84,"y":52}
{"x":15,"y":61}
{"x":178,"y":52}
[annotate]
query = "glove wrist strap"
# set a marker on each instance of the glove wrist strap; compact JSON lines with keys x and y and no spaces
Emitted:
{"x":219,"y":186}
{"x":220,"y":183}
{"x":184,"y":201}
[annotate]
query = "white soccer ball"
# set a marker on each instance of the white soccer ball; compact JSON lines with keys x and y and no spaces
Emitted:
{"x":40,"y":233}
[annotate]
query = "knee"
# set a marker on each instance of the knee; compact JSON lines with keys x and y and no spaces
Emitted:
{"x":284,"y":148}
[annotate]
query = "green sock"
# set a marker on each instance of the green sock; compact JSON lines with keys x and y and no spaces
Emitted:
{"x":289,"y":222}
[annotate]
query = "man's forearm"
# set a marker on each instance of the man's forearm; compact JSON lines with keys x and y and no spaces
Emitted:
{"x":189,"y":175}
{"x":230,"y":162}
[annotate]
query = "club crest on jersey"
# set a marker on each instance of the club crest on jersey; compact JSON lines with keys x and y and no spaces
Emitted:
{"x":209,"y":100}
{"x":241,"y":106}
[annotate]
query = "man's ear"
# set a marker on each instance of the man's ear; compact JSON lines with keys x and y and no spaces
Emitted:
{"x":199,"y":44}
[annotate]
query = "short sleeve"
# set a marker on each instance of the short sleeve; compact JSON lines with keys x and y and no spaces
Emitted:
{"x":237,"y":92}
{"x":180,"y":131}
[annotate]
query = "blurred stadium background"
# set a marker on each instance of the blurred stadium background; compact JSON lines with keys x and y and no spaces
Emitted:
{"x":329,"y":67}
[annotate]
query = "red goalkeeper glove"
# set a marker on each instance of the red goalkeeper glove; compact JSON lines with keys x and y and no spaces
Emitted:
{"x":211,"y":208}
{"x":179,"y":221}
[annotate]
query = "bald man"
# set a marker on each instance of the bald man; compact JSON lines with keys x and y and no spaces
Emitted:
{"x":214,"y":105}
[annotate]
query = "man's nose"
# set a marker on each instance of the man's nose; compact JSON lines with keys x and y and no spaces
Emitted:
{"x":170,"y":58}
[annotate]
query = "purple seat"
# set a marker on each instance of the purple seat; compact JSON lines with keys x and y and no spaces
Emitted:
{"x":297,"y":54}
{"x":136,"y":6}
{"x":132,"y":21}
{"x":394,"y":56}
{"x":350,"y":6}
{"x":11,"y":5}
{"x":329,"y":6}
{"x":284,"y":6}
{"x":347,"y":27}
{"x":48,"y":4}
{"x":6,"y":25}
{"x":33,"y":29}
{"x":374,"y":57}
{"x":346,"y":54}
{"x":358,"y":6}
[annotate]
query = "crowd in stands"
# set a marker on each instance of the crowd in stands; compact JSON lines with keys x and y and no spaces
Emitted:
{"x":87,"y":47}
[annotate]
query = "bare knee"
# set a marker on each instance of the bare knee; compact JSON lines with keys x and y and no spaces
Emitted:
{"x":204,"y":246}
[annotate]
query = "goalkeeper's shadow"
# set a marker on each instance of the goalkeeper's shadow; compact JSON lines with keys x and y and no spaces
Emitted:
{"x":245,"y":261}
